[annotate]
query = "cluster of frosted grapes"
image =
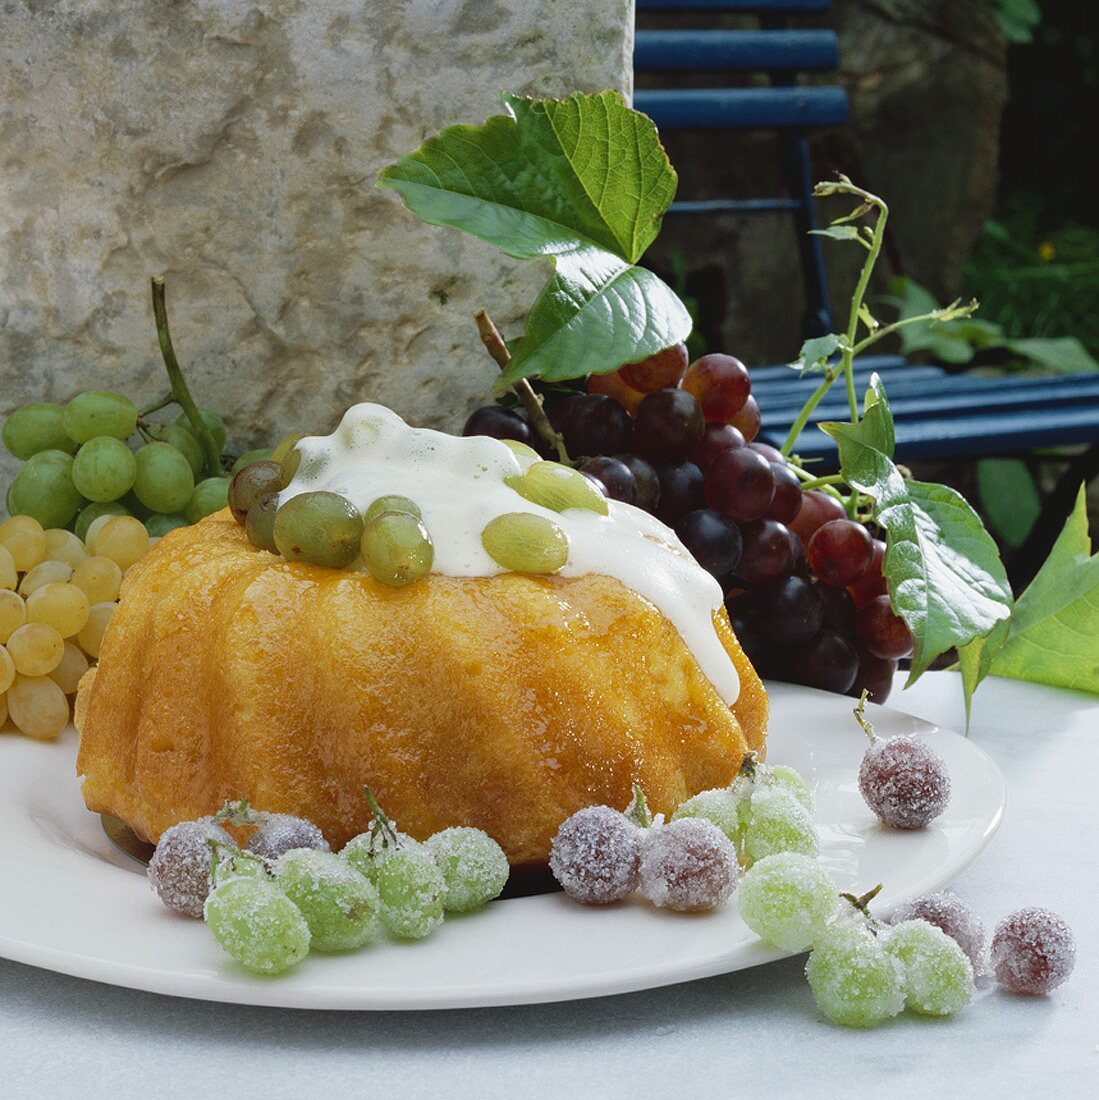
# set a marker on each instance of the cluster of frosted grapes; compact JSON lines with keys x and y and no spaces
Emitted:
{"x":57,"y":595}
{"x":803,"y":582}
{"x":286,"y":893}
{"x":95,"y":456}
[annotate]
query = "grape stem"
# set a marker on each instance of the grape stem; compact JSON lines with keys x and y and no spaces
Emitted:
{"x":180,"y":392}
{"x":383,"y":828}
{"x":638,"y":809}
{"x":862,"y":902}
{"x":494,"y":342}
{"x":168,"y":399}
{"x":860,"y":716}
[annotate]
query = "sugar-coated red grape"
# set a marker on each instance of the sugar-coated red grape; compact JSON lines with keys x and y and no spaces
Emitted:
{"x":720,"y":384}
{"x":615,"y":477}
{"x":1033,"y":951}
{"x":646,"y":478}
{"x":680,"y":490}
{"x":612,"y":385}
{"x":827,"y":661}
{"x":788,"y":611}
{"x":786,"y":502}
{"x":881,"y":631}
{"x":817,"y":509}
{"x":499,"y":423}
{"x":714,"y":540}
{"x":748,"y":420}
{"x":592,"y":424}
{"x":839,"y":609}
{"x":953,"y":917}
{"x":740,"y":484}
{"x":658,"y":371}
{"x":904,"y":781}
{"x":768,"y":552}
{"x":716,"y":438}
{"x":872,"y":583}
{"x":874,"y":674}
{"x":668,"y":425}
{"x":840,"y":552}
{"x":772,"y":454}
{"x":596,"y":854}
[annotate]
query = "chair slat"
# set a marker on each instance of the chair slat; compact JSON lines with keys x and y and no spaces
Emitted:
{"x":745,"y":51}
{"x":744,"y":108}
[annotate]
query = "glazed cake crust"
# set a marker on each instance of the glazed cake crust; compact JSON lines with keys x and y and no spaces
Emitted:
{"x":504,"y":702}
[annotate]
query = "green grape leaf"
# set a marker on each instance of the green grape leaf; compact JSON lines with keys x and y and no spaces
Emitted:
{"x":838,"y":233}
{"x":876,"y":425}
{"x":583,"y":182}
{"x":1009,"y":498}
{"x":815,"y":353}
{"x":944,"y":572}
{"x":975,"y":661}
{"x":1054,"y":632}
{"x":1062,"y":354}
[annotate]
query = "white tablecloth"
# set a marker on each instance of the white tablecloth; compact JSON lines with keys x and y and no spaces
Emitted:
{"x":750,"y":1034}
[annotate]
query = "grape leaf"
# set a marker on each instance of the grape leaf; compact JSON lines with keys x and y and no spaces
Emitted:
{"x":1054,"y":632}
{"x":944,"y":573}
{"x":583,"y":182}
{"x":837,"y":233}
{"x":815,"y":353}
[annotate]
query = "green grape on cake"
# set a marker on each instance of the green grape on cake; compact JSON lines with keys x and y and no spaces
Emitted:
{"x":321,"y":528}
{"x":397,"y":549}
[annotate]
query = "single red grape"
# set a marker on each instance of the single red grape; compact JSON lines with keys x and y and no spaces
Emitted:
{"x":788,"y":611}
{"x":786,"y":502}
{"x":680,"y":490}
{"x":904,"y":781}
{"x":716,"y":439}
{"x":1033,"y":951}
{"x":827,"y":661}
{"x":768,"y":552}
{"x":668,"y":424}
{"x":772,"y":454}
{"x":720,"y":384}
{"x":714,"y":540}
{"x":646,"y":478}
{"x":816,"y":510}
{"x":840,"y":552}
{"x":612,"y":385}
{"x":748,"y":420}
{"x":740,"y":484}
{"x":499,"y":423}
{"x":882,"y":632}
{"x":592,"y":424}
{"x":615,"y":476}
{"x":872,"y":584}
{"x":658,"y":371}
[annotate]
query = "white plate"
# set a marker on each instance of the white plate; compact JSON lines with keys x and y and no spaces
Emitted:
{"x":73,"y":903}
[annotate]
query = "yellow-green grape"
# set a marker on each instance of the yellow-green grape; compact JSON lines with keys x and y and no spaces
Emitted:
{"x":521,"y":449}
{"x":62,"y":545}
{"x":213,"y":422}
{"x":99,"y":413}
{"x":38,"y":707}
{"x":158,"y":526}
{"x":209,"y":496}
{"x":44,"y":488}
{"x":257,"y":924}
{"x":9,"y":577}
{"x":73,"y":665}
{"x":7,"y":670}
{"x":164,"y":480}
{"x":249,"y":483}
{"x":13,"y":613}
{"x":34,"y":428}
{"x":286,"y":453}
{"x":558,"y":488}
{"x":392,"y":503}
{"x":525,"y":543}
{"x":90,"y":638}
{"x":104,"y":469}
{"x":25,"y":540}
{"x":259,"y":524}
{"x":183,"y":441}
{"x":3,"y":710}
{"x":321,"y":528}
{"x":99,"y":577}
{"x":397,"y":549}
{"x":62,"y":606}
{"x":261,"y":454}
{"x":95,"y":511}
{"x":45,"y":572}
{"x":36,"y":649}
{"x":123,"y":539}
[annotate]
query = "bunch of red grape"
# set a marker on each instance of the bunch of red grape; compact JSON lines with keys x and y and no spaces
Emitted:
{"x":803,"y":582}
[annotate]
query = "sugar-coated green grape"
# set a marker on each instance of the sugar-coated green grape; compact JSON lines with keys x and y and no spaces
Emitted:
{"x":159,"y":525}
{"x":321,"y":528}
{"x":787,"y":899}
{"x":99,"y":413}
{"x":366,"y":853}
{"x":91,"y":512}
{"x":183,"y":441}
{"x":778,"y":822}
{"x":411,"y":889}
{"x":44,"y":489}
{"x":259,"y":524}
{"x":397,"y":549}
{"x":793,"y":782}
{"x":32,"y":429}
{"x":392,"y":503}
{"x":237,"y":864}
{"x":718,"y":806}
{"x":339,"y":905}
{"x":525,"y":543}
{"x":938,"y":978}
{"x":260,"y":454}
{"x":213,"y":422}
{"x":558,"y":488}
{"x":475,"y":868}
{"x":249,"y":483}
{"x":164,"y":481}
{"x":258,"y":925}
{"x":104,"y":469}
{"x":209,"y":496}
{"x":854,"y":980}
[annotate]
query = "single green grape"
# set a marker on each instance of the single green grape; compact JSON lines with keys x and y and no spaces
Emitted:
{"x":339,"y":905}
{"x":475,"y":868}
{"x":91,"y":512}
{"x":158,"y":525}
{"x":259,"y":524}
{"x":522,"y":449}
{"x":183,"y":441}
{"x":787,"y":899}
{"x":411,"y":890}
{"x":44,"y":489}
{"x":31,"y":429}
{"x":525,"y":543}
{"x":288,"y":455}
{"x":258,"y":925}
{"x":99,"y":413}
{"x":261,"y":454}
{"x":104,"y":469}
{"x":778,"y":822}
{"x":793,"y":782}
{"x":237,"y":864}
{"x":209,"y":496}
{"x":367,"y":852}
{"x":286,"y":445}
{"x":392,"y":503}
{"x":718,"y":806}
{"x":558,"y":488}
{"x":164,"y":481}
{"x":397,"y":549}
{"x":249,"y":483}
{"x":321,"y":528}
{"x":938,"y":978}
{"x":854,"y":980}
{"x":212,"y":421}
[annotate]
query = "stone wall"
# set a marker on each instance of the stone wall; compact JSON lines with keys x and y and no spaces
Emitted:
{"x":233,"y":147}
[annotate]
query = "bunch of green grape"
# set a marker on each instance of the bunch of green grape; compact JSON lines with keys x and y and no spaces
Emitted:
{"x":97,"y":456}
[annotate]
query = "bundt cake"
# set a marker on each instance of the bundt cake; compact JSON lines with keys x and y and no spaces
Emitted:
{"x":474,"y":696}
